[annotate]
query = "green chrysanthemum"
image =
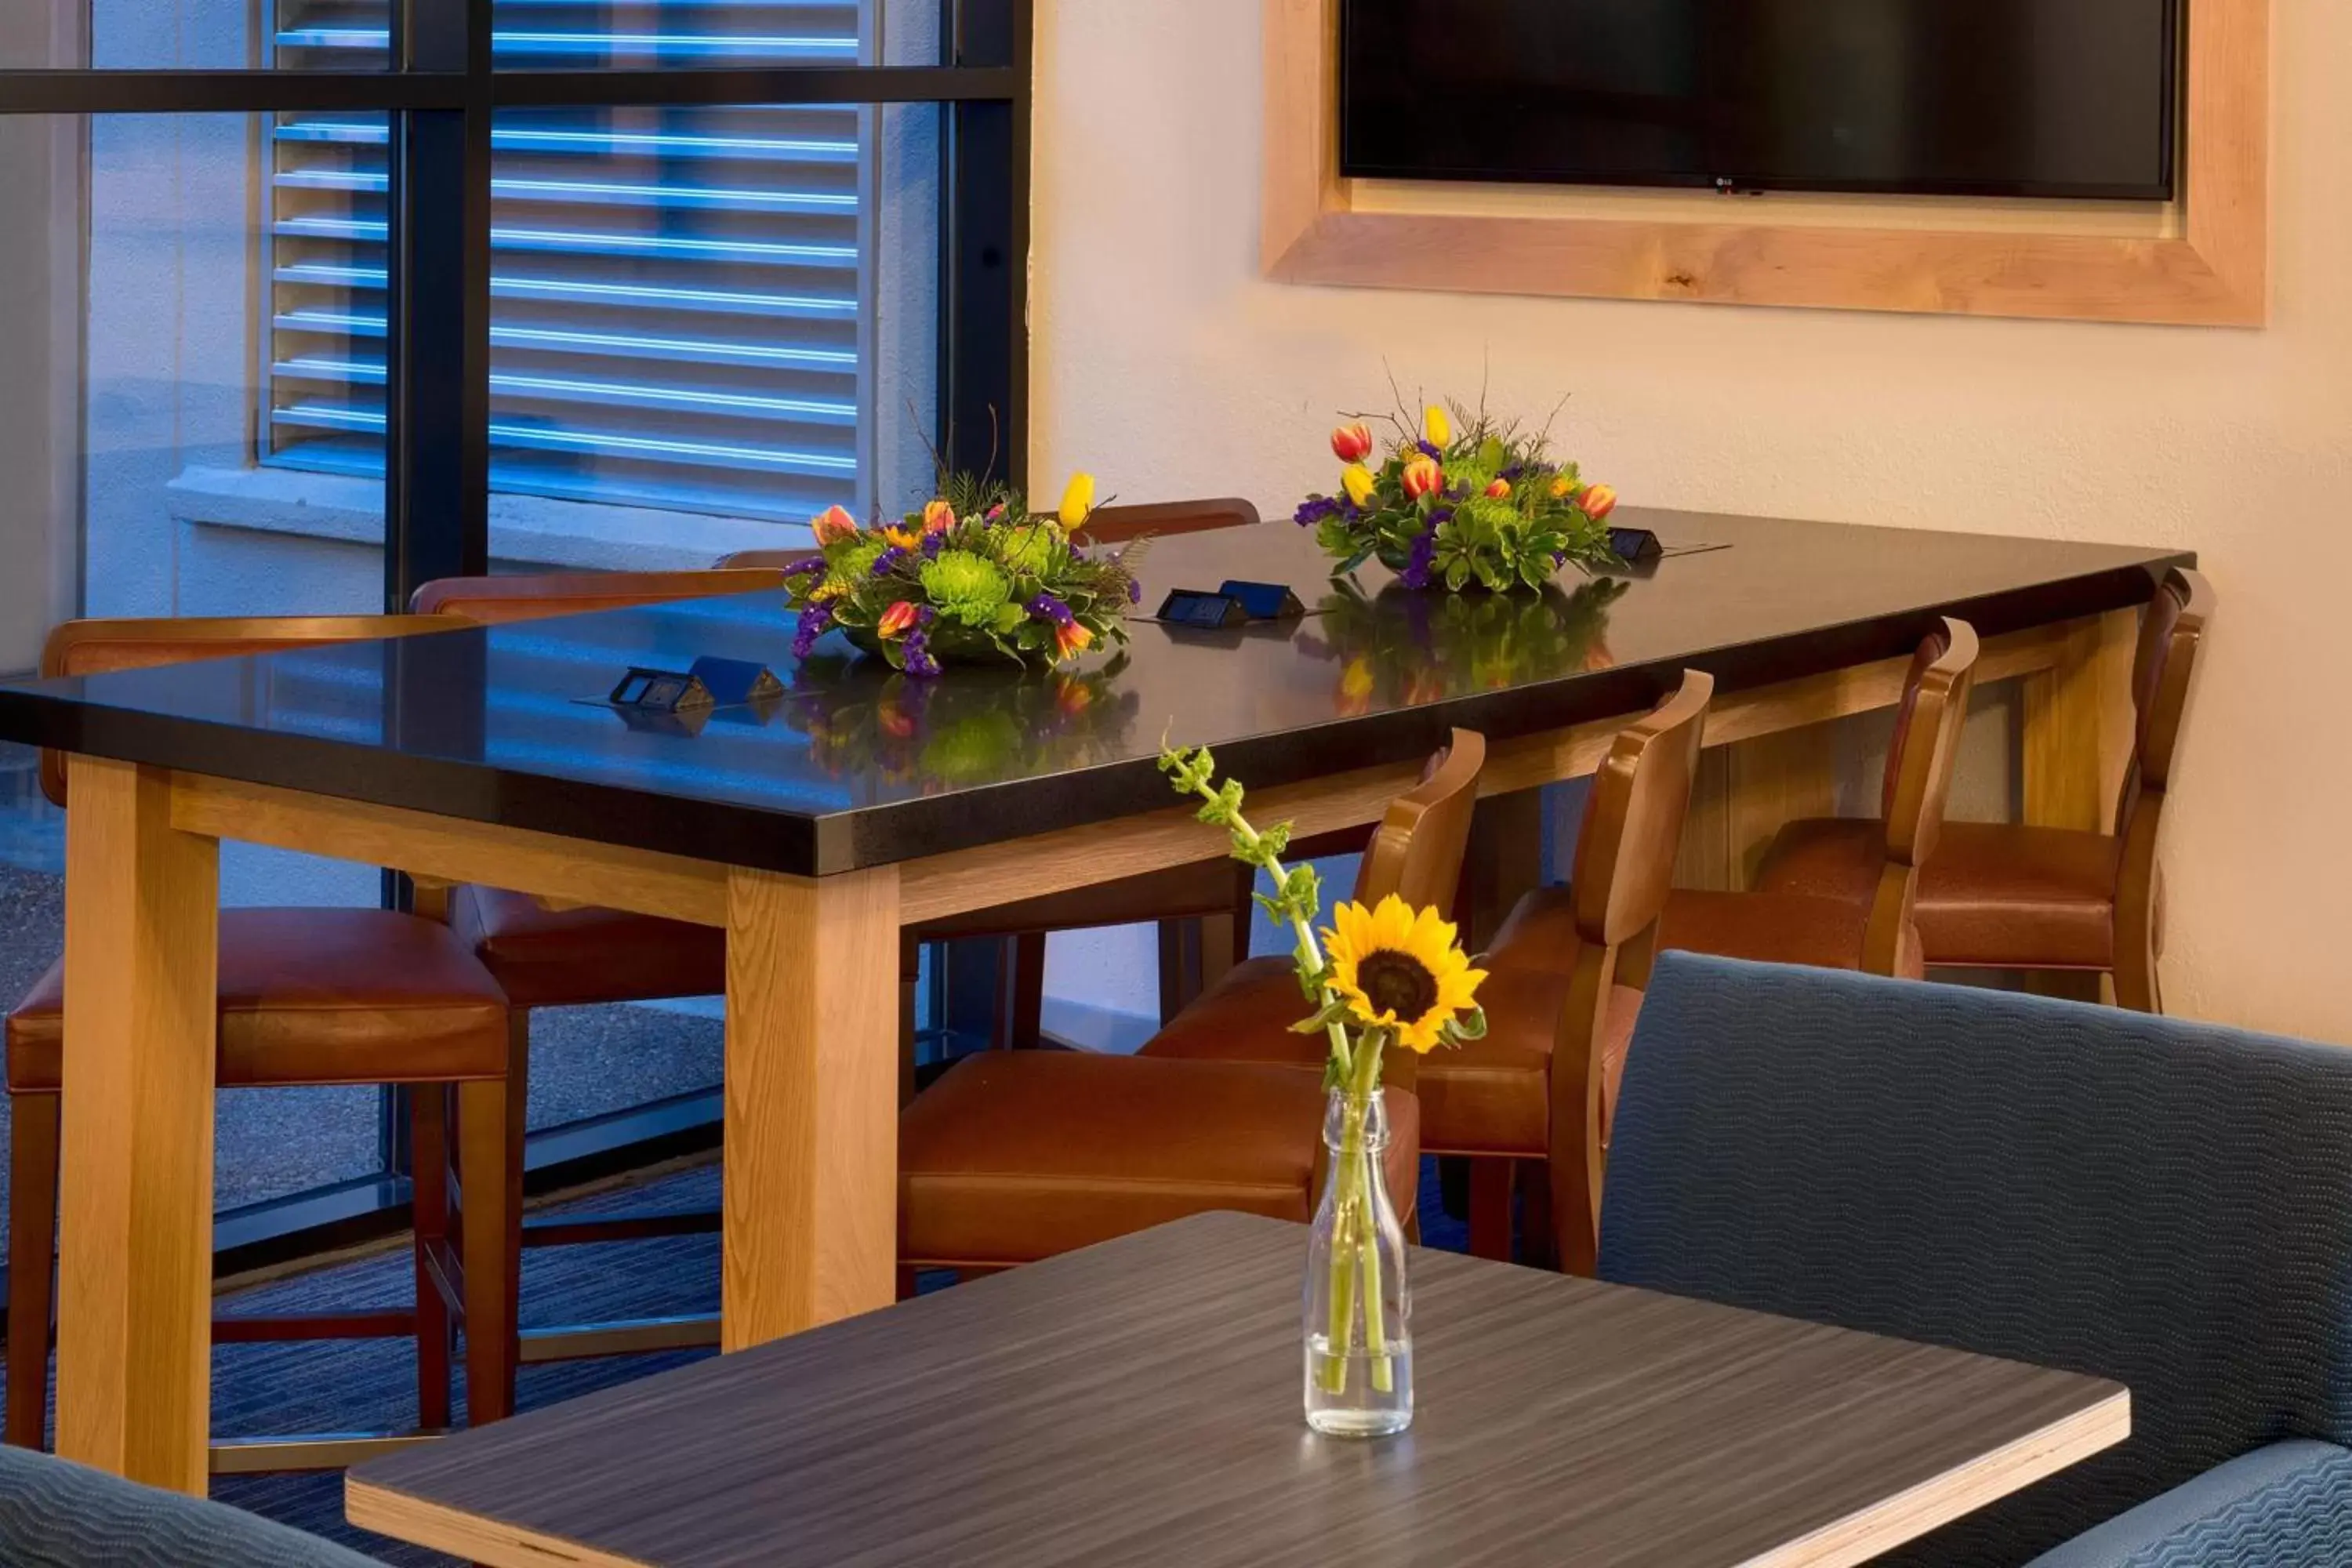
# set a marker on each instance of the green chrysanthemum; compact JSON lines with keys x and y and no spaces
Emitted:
{"x":966,"y":587}
{"x":853,"y":565}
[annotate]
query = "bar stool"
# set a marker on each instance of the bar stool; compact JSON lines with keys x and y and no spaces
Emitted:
{"x":2006,"y":896}
{"x":1491,"y":1100}
{"x":1870,"y":927}
{"x":1015,"y":1156}
{"x":307,"y":997}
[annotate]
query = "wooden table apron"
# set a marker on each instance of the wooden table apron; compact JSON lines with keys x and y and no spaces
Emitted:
{"x":812,"y":1034}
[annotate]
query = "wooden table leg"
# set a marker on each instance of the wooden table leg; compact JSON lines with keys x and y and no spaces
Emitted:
{"x":2075,"y":739}
{"x":810,"y":1171}
{"x":2077,"y":727}
{"x":134,"y":1289}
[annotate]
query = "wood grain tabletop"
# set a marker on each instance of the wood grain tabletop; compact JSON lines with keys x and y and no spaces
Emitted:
{"x":1139,"y":1402}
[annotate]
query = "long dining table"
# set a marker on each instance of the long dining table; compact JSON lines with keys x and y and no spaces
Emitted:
{"x":814,"y":827}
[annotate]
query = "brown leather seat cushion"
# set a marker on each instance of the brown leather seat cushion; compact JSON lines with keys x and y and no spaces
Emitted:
{"x":1490,"y":1095}
{"x":564,"y":958}
{"x":1993,"y":894}
{"x":317,"y":996}
{"x":1018,"y":1155}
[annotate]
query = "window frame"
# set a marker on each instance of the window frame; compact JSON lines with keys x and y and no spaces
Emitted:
{"x":441,"y":90}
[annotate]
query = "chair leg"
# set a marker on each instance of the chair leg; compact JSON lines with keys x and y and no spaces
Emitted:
{"x":1490,"y":1209}
{"x":1028,"y":990}
{"x":32,"y":1241}
{"x":1180,"y":962}
{"x":492,"y":1224}
{"x":1534,"y":1205}
{"x":428,"y":1159}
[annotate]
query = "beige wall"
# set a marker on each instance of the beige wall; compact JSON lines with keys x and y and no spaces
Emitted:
{"x":1163,"y":361}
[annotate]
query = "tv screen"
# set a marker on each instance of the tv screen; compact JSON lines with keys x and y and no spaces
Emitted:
{"x":2030,"y":98}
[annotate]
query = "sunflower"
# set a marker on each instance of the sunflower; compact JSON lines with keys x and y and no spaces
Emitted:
{"x":1399,"y":968}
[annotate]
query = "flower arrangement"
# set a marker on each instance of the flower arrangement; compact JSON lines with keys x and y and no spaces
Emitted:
{"x":1483,"y":503}
{"x":1401,"y":649}
{"x":974,"y":575}
{"x":1391,"y":974}
{"x":939,"y":734}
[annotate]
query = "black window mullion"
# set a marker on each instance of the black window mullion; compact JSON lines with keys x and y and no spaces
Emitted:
{"x":438,"y":369}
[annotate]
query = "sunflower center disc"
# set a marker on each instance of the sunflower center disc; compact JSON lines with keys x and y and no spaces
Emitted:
{"x":1397,"y":983}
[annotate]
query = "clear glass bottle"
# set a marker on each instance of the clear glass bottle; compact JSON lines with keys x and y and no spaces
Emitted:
{"x":1358,"y":1308}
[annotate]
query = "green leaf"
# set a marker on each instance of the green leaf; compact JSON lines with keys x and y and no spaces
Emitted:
{"x":1457,"y":576}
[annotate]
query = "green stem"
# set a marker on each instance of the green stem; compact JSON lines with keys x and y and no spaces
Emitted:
{"x":1376,"y":1337}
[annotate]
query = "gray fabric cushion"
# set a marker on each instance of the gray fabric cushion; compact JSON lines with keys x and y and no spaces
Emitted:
{"x":56,"y":1515}
{"x":2165,"y":1204}
{"x":2285,"y":1506}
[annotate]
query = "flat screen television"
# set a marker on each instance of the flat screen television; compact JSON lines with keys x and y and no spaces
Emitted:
{"x":2000,"y":97}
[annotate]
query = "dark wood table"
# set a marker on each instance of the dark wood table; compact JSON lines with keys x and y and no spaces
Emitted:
{"x":812,"y":833}
{"x":1139,"y":1402}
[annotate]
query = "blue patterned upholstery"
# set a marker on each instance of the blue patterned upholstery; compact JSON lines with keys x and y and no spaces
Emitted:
{"x":56,"y":1515}
{"x":2165,"y":1204}
{"x":2288,"y":1503}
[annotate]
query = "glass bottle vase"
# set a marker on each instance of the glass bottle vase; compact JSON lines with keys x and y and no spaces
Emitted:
{"x":1357,"y":1329}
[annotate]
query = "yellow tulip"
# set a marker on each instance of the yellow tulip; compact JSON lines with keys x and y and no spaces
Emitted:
{"x":1357,"y":480}
{"x":1078,"y":500}
{"x":1435,"y":427}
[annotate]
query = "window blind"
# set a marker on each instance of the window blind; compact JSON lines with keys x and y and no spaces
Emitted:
{"x":677,"y":294}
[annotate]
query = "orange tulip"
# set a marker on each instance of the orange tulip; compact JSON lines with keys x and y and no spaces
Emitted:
{"x":1352,"y":443}
{"x":938,"y":517}
{"x":1599,"y":501}
{"x":832,"y":525}
{"x":896,"y":620}
{"x":1072,"y":640}
{"x":1499,"y":489}
{"x":1422,"y":477}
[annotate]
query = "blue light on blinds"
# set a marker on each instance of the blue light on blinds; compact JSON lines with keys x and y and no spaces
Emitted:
{"x":677,"y":307}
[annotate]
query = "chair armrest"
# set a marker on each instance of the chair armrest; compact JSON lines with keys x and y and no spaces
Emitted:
{"x":2280,"y":1506}
{"x":58,"y":1515}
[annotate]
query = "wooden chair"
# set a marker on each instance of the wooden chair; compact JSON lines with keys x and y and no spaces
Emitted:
{"x":2005,"y":896}
{"x":1491,"y":1100}
{"x":307,"y":996}
{"x":1015,"y":1156}
{"x":1125,"y":524}
{"x":1870,"y":926}
{"x":537,"y":595}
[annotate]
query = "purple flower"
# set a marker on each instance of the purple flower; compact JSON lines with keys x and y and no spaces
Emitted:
{"x":917,"y":650}
{"x":1415,"y":574}
{"x":1432,"y":450}
{"x":1511,"y":475}
{"x":925,"y":614}
{"x":1315,"y":509}
{"x":887,"y":562}
{"x":807,"y":568}
{"x":1134,"y":591}
{"x":1047,"y":607}
{"x":811,"y":627}
{"x":1439,"y":516}
{"x":933,"y":543}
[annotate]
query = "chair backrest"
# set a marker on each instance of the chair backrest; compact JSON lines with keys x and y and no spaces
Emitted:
{"x":1120,"y":524}
{"x":1416,"y":851}
{"x":531,"y":596}
{"x":1624,"y":868}
{"x":1919,"y":763}
{"x":2165,"y":1204}
{"x":54,"y":1514}
{"x":2171,"y":633}
{"x":100,"y":647}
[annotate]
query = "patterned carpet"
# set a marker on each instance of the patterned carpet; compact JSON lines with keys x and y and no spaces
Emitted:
{"x":351,"y":1387}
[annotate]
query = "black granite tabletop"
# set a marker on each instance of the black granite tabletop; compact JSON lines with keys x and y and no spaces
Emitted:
{"x":855,"y":766}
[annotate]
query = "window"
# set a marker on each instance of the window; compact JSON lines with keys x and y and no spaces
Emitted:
{"x":683,"y":266}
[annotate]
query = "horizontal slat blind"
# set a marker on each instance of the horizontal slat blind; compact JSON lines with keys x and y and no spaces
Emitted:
{"x":677,"y":292}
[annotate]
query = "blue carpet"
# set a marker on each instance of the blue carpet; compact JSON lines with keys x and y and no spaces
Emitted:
{"x":371,"y":1384}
